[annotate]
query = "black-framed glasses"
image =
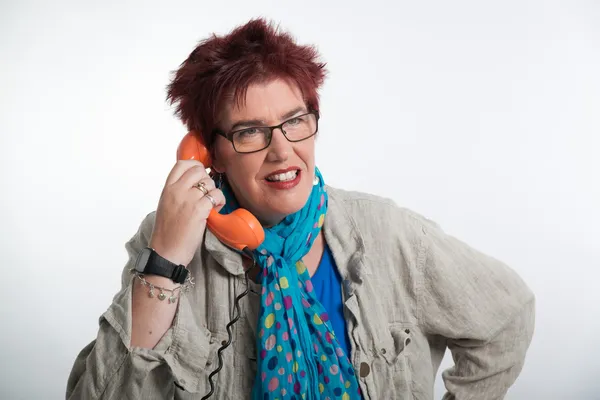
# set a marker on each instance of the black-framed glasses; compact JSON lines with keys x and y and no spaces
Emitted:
{"x":253,"y":139}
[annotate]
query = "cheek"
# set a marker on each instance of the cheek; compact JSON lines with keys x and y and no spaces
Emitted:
{"x":236,"y":166}
{"x":244,"y":171}
{"x":307,"y":152}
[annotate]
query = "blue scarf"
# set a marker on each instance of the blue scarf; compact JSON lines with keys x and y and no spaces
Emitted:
{"x":299,"y":356}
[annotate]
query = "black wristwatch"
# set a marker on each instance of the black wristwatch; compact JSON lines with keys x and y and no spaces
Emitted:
{"x":149,"y":262}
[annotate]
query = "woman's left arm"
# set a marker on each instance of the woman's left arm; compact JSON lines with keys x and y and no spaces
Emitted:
{"x":482,"y":307}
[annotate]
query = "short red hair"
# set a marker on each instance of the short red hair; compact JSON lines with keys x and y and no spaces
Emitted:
{"x":222,"y":67}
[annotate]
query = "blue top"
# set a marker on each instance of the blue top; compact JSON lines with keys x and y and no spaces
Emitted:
{"x":327,"y":284}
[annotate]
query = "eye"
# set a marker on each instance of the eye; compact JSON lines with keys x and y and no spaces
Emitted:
{"x":249,"y":132}
{"x":295,"y":121}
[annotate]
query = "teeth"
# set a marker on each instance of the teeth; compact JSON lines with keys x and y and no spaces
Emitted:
{"x":288,"y":176}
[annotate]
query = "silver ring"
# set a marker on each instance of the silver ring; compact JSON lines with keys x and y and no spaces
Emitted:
{"x":212,"y":200}
{"x":200,"y":186}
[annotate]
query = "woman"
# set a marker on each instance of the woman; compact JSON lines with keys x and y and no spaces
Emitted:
{"x":352,"y":297}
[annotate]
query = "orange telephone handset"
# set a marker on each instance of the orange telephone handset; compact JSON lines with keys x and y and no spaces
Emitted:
{"x":239,"y":229}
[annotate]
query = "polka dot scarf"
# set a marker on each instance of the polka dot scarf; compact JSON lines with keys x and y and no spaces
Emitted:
{"x":299,"y":356}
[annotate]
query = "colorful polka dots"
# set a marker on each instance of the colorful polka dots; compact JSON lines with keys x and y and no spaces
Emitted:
{"x":300,"y":267}
{"x":269,"y":299}
{"x":321,"y":220}
{"x":317,"y":320}
{"x":284,"y":283}
{"x":272,"y":362}
{"x":270,"y":342}
{"x":299,"y":356}
{"x":309,"y":286}
{"x":273,"y":384}
{"x":269,"y":320}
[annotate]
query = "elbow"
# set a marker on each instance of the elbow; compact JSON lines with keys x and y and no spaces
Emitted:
{"x":527,"y":323}
{"x":514,"y":339}
{"x":508,"y":344}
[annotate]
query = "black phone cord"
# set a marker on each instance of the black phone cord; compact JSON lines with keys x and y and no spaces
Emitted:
{"x":235,"y":318}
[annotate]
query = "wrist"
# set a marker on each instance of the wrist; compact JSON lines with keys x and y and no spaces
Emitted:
{"x":169,"y":255}
{"x":150,"y":262}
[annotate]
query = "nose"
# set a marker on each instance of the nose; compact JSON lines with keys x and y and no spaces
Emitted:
{"x":280,"y":148}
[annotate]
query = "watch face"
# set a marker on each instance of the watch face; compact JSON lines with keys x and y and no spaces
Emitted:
{"x":142,"y":260}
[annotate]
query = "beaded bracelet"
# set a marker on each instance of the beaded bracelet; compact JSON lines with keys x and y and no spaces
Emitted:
{"x":189,"y":282}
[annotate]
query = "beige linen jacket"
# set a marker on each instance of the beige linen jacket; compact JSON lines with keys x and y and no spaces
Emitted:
{"x":410,"y":291}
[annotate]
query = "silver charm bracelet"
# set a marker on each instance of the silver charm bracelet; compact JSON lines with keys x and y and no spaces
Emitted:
{"x":189,"y":282}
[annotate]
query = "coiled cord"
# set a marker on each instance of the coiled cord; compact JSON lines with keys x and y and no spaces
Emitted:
{"x":235,"y":318}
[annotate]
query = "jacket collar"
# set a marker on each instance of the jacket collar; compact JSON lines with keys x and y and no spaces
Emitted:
{"x":226,"y":257}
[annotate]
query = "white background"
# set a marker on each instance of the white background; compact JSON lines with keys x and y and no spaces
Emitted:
{"x":481,"y":115}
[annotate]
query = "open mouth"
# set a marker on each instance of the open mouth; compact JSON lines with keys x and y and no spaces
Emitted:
{"x":283,"y":177}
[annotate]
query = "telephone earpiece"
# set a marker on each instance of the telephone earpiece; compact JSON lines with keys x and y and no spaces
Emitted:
{"x":239,"y":229}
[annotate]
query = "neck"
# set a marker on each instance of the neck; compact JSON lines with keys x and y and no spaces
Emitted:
{"x":271,"y":221}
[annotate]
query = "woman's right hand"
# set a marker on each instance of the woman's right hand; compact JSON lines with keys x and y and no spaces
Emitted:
{"x":182,"y":211}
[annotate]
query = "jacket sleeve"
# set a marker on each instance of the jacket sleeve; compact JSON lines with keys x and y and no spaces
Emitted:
{"x":109,"y":368}
{"x":483,"y":309}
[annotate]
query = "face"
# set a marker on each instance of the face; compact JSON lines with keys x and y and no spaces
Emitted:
{"x":255,"y":178}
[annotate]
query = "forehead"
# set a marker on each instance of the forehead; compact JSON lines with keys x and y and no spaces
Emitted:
{"x":264,"y":101}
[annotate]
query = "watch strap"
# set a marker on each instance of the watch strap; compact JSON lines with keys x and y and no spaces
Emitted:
{"x":158,"y":265}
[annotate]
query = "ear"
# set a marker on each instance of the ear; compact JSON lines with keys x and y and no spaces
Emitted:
{"x":217,"y":164}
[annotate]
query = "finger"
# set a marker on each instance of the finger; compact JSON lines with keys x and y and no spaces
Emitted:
{"x":217,"y":196}
{"x":206,"y":182}
{"x":180,"y":168}
{"x":194,"y":175}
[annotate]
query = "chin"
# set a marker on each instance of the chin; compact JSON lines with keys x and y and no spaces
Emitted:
{"x":285,"y":209}
{"x":284,"y":203}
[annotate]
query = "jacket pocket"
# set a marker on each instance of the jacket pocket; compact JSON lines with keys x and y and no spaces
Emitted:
{"x":397,"y":346}
{"x":391,"y":364}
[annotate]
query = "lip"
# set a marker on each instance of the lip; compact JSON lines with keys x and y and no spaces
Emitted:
{"x":279,"y":185}
{"x":283,"y":171}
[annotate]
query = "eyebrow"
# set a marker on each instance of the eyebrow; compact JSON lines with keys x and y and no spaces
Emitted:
{"x":260,"y":122}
